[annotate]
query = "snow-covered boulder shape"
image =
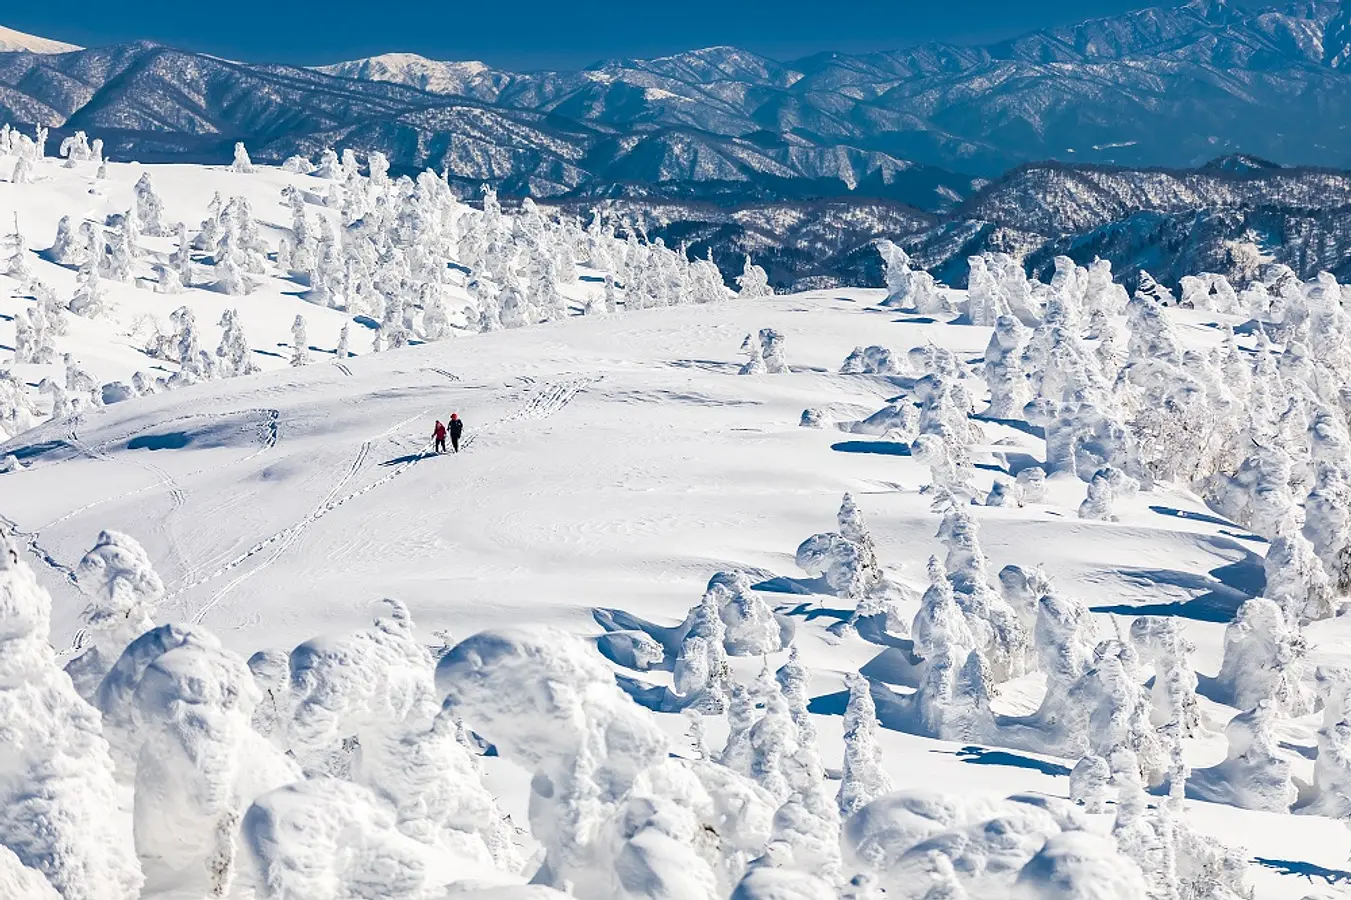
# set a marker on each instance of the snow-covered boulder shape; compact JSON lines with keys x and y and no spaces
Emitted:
{"x":1079,"y":865}
{"x":1089,"y":782}
{"x":1253,"y":775}
{"x":123,"y":591}
{"x":814,"y":418}
{"x":330,"y":839}
{"x":751,"y":628}
{"x":1264,"y":659}
{"x":988,"y":840}
{"x":199,"y":763}
{"x":1032,"y":484}
{"x":20,"y":882}
{"x":769,"y":883}
{"x":900,"y":420}
{"x":550,"y":704}
{"x":59,"y":811}
{"x":871,"y":360}
{"x":375,"y":690}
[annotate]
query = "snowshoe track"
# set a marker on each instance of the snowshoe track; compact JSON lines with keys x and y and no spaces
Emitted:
{"x":551,"y":399}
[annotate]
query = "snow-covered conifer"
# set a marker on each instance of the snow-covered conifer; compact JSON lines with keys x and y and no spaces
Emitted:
{"x":701,"y":671}
{"x":755,"y":362}
{"x":300,"y":343}
{"x":771,"y":351}
{"x":1089,"y":784}
{"x":234,"y":353}
{"x":1253,"y":775}
{"x":1160,"y":641}
{"x":1264,"y":659}
{"x":343,"y":351}
{"x":1009,"y":390}
{"x":149,"y":208}
{"x":122,"y":590}
{"x":751,"y":628}
{"x":242,"y":163}
{"x":59,"y":809}
{"x":863,"y":779}
{"x":1296,"y":580}
{"x":753,"y":282}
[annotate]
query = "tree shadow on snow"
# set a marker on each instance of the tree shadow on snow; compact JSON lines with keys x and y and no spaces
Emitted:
{"x":1027,"y":428}
{"x":883,"y":448}
{"x":984,"y":756}
{"x":1305,"y":869}
{"x":1196,"y":517}
{"x":1220,"y":593}
{"x":784,"y":584}
{"x":176,"y":440}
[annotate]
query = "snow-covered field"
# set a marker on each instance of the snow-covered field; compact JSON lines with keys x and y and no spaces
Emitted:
{"x":613,"y":464}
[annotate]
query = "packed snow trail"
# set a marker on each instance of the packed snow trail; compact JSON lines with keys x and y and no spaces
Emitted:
{"x":288,"y":536}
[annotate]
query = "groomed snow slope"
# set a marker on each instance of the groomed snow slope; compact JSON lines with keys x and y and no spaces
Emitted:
{"x":610,"y":464}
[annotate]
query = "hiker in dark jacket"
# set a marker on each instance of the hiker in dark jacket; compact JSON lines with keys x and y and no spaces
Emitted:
{"x":439,"y":438}
{"x":456,"y":429}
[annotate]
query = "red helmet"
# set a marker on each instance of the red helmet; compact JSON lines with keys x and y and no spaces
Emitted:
{"x":454,"y":416}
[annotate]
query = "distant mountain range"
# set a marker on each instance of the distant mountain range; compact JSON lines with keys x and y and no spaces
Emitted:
{"x":808,"y":160}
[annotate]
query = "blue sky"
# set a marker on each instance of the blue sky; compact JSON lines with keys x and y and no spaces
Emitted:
{"x":531,"y":34}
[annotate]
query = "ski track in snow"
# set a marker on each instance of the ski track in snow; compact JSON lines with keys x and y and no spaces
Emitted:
{"x":542,"y":404}
{"x":342,"y":367}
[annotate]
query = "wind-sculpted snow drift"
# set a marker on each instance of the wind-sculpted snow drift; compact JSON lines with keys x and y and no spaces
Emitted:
{"x":1057,"y":509}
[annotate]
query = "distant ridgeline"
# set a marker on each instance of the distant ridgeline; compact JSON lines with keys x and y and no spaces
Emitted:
{"x":805,"y":163}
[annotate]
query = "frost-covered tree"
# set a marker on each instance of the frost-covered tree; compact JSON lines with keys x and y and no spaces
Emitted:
{"x":755,"y":362}
{"x":59,"y":809}
{"x":553,"y":707}
{"x":1295,"y":578}
{"x":750,"y":626}
{"x":1161,"y":642}
{"x":1253,"y":774}
{"x":1332,"y":767}
{"x":343,"y":351}
{"x":771,"y":351}
{"x":1089,"y":784}
{"x":863,"y":779}
{"x":234,"y":353}
{"x":753,"y":282}
{"x":149,"y":208}
{"x":123,"y":589}
{"x":242,"y":164}
{"x":701,"y":671}
{"x":300,"y":343}
{"x":908,"y":287}
{"x":1264,"y":659}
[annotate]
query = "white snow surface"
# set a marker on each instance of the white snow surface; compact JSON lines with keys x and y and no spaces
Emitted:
{"x":611,"y":465}
{"x":11,"y":40}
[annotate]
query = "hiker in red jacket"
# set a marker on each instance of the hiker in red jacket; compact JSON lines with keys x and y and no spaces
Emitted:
{"x":439,"y":437}
{"x":456,"y":429}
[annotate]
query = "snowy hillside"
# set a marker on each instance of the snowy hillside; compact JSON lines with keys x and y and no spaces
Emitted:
{"x":1032,"y":590}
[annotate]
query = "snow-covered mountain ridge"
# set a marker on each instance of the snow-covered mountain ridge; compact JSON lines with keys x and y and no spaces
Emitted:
{"x":1032,"y":590}
{"x":15,"y":41}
